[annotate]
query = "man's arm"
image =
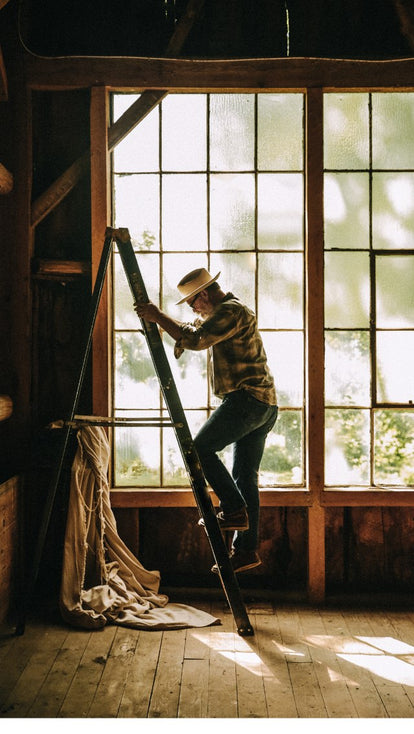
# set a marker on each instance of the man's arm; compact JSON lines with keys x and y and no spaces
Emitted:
{"x":150,"y":312}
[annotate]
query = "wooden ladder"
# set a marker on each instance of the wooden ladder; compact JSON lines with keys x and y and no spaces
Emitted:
{"x":178,"y":422}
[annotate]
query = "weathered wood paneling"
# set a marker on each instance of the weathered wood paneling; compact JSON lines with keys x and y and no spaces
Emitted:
{"x":9,"y":509}
{"x":171,"y":541}
{"x":370,"y":549}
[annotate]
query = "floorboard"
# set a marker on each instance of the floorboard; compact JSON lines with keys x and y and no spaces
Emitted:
{"x":303,"y":662}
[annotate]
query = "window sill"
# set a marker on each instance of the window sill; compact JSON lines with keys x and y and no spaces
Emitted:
{"x":366,"y":497}
{"x":147,"y":497}
{"x":295,"y":497}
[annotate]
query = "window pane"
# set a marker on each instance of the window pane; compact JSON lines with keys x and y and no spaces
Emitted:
{"x":392,"y":210}
{"x":139,"y":151}
{"x":137,"y":455}
{"x":136,"y":384}
{"x":232,"y":132}
{"x":280,"y":132}
{"x":189,"y":190}
{"x":237,"y":274}
{"x":347,"y":368}
{"x":190,"y":375}
{"x":280,"y":211}
{"x":280,"y":291}
{"x":175,"y":473}
{"x":395,"y":366}
{"x":393,"y":130}
{"x":137,"y":207}
{"x":232,"y":212}
{"x":282,"y":458}
{"x":347,"y":444}
{"x":394,"y":447}
{"x":184,"y":212}
{"x":346,"y":290}
{"x":285,"y":358}
{"x":395,"y":291}
{"x":124,"y":314}
{"x":184,"y":132}
{"x":346,"y":203}
{"x":346,"y":131}
{"x":121,"y":102}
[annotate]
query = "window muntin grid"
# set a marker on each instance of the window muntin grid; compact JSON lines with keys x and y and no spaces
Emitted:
{"x":369,"y":303}
{"x":214,"y":181}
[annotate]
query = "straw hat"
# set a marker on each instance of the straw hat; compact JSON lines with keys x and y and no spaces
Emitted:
{"x":194,"y":282}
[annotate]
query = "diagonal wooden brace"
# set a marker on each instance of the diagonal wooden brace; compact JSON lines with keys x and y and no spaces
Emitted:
{"x":149,"y":99}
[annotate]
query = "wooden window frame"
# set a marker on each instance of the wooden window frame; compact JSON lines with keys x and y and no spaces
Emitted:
{"x":312,"y":77}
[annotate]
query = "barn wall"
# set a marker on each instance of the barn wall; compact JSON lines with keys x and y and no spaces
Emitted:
{"x":9,"y":545}
{"x":41,"y":323}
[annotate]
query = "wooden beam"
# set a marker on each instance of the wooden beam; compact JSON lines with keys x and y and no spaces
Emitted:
{"x":47,"y":201}
{"x":6,"y":407}
{"x":376,"y":497}
{"x":314,"y":289}
{"x":316,"y":554}
{"x":19,"y":264}
{"x":315,"y":341}
{"x":59,"y":189}
{"x":63,"y":185}
{"x":6,"y":180}
{"x":133,"y":497}
{"x":282,"y":74}
{"x":133,"y":116}
{"x":405,"y":12}
{"x":100,"y":211}
{"x":4,"y":95}
{"x":60,"y":268}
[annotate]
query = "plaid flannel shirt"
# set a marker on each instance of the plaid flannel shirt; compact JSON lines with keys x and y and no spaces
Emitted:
{"x":235,"y":348}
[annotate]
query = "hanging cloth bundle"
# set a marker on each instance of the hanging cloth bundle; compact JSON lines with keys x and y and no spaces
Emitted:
{"x":102,"y":581}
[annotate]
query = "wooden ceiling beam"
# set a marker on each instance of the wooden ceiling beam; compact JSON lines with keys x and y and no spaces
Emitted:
{"x":173,"y":74}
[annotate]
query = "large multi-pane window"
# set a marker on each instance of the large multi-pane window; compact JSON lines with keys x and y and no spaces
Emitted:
{"x":211,"y":181}
{"x":217,"y":180}
{"x":369,"y":289}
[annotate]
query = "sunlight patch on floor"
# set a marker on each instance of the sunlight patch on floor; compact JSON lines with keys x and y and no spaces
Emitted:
{"x":379,"y":656}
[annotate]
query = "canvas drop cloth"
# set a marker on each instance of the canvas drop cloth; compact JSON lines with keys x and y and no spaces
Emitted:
{"x":102,"y":581}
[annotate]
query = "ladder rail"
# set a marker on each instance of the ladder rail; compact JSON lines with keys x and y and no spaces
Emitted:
{"x":178,"y":422}
{"x":67,"y":432}
{"x":184,"y":437}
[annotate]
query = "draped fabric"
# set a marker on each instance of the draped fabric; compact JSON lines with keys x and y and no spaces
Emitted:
{"x":102,"y":581}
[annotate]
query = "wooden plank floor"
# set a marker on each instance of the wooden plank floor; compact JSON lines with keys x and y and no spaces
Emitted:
{"x":302,"y":662}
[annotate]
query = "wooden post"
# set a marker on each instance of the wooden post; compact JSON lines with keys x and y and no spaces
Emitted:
{"x":316,"y":554}
{"x":4,"y":94}
{"x":6,"y":180}
{"x":100,"y":210}
{"x":20,"y":254}
{"x":315,"y":341}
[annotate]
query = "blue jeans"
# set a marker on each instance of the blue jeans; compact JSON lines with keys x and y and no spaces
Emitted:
{"x":243,"y":421}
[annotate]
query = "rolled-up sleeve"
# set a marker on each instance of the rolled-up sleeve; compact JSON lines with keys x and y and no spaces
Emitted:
{"x":204,"y":334}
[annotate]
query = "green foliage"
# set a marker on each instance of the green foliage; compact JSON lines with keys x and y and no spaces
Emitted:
{"x":283,"y":457}
{"x":132,"y":358}
{"x":147,"y":240}
{"x":394,"y":447}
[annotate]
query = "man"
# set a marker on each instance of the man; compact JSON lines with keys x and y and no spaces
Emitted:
{"x":248,"y":411}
